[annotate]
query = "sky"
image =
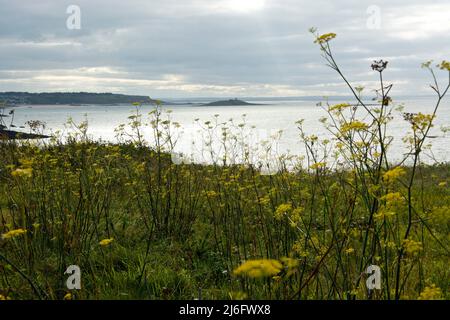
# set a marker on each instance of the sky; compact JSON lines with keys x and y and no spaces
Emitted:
{"x":217,"y":48}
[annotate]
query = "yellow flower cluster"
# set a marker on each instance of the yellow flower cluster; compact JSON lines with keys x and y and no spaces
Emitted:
{"x":106,"y":242}
{"x":68,"y":296}
{"x":383,"y":214}
{"x":421,"y":121}
{"x":354,"y":125}
{"x":3,"y":298}
{"x":282,"y":210}
{"x":412,"y":247}
{"x":445,"y":65}
{"x":259,"y":268}
{"x":211,"y":194}
{"x":431,"y":293}
{"x":338,"y":107}
{"x":298,"y":248}
{"x":264,"y":200}
{"x":318,"y":165}
{"x":393,"y":199}
{"x":389,"y":244}
{"x":349,"y":251}
{"x":13,"y":233}
{"x":25,"y":169}
{"x":325,"y":37}
{"x":393,"y":174}
{"x":295,"y":216}
{"x":290,"y":265}
{"x":28,"y":172}
{"x":441,"y":214}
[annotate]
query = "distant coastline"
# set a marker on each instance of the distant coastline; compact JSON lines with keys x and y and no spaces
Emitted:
{"x":70,"y":98}
{"x":16,"y":99}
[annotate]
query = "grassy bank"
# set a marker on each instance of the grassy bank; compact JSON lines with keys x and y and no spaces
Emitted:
{"x":176,"y":230}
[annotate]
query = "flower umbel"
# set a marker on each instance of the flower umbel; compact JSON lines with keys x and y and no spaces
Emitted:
{"x":13,"y":233}
{"x":339,"y":107}
{"x":412,"y":247}
{"x":282,"y":210}
{"x":325,"y":37}
{"x":68,"y":296}
{"x":259,"y":268}
{"x":431,"y":293}
{"x":354,"y":125}
{"x":106,"y":242}
{"x":393,"y":174}
{"x":28,"y":172}
{"x":445,"y":65}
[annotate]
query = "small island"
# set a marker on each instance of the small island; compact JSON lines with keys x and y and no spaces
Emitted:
{"x":231,"y":102}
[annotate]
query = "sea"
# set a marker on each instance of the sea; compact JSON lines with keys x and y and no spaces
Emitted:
{"x":200,"y":130}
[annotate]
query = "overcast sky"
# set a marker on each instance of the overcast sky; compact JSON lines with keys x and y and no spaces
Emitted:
{"x":233,"y":48}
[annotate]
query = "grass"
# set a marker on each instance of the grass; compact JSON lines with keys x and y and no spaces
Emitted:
{"x":215,"y":219}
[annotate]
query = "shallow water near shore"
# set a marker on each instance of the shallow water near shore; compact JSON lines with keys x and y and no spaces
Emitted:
{"x":274,"y":115}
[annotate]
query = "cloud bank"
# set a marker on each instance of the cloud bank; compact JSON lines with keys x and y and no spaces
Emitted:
{"x":194,"y":48}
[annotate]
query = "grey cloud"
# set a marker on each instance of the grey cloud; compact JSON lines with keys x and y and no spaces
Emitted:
{"x":201,"y":45}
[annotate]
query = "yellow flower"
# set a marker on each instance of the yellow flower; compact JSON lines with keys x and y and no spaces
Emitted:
{"x":445,"y":65}
{"x":384,"y":214}
{"x":2,"y":297}
{"x":295,"y":216}
{"x":282,"y":210}
{"x":290,"y":262}
{"x":339,"y":107}
{"x":412,"y":247}
{"x":393,"y":199}
{"x":259,"y":268}
{"x":354,"y":125}
{"x":419,"y":121}
{"x":211,"y":194}
{"x":68,"y":296}
{"x":13,"y":233}
{"x":390,"y":245}
{"x":264,"y":200}
{"x":441,"y":214}
{"x":290,"y":265}
{"x":393,"y":174}
{"x":431,"y":293}
{"x":106,"y":242}
{"x":325,"y":37}
{"x":318,"y":165}
{"x":26,"y":163}
{"x":276,"y":278}
{"x":349,"y":251}
{"x":28,"y":172}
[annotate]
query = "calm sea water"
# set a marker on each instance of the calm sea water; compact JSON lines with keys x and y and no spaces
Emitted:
{"x":279,"y":114}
